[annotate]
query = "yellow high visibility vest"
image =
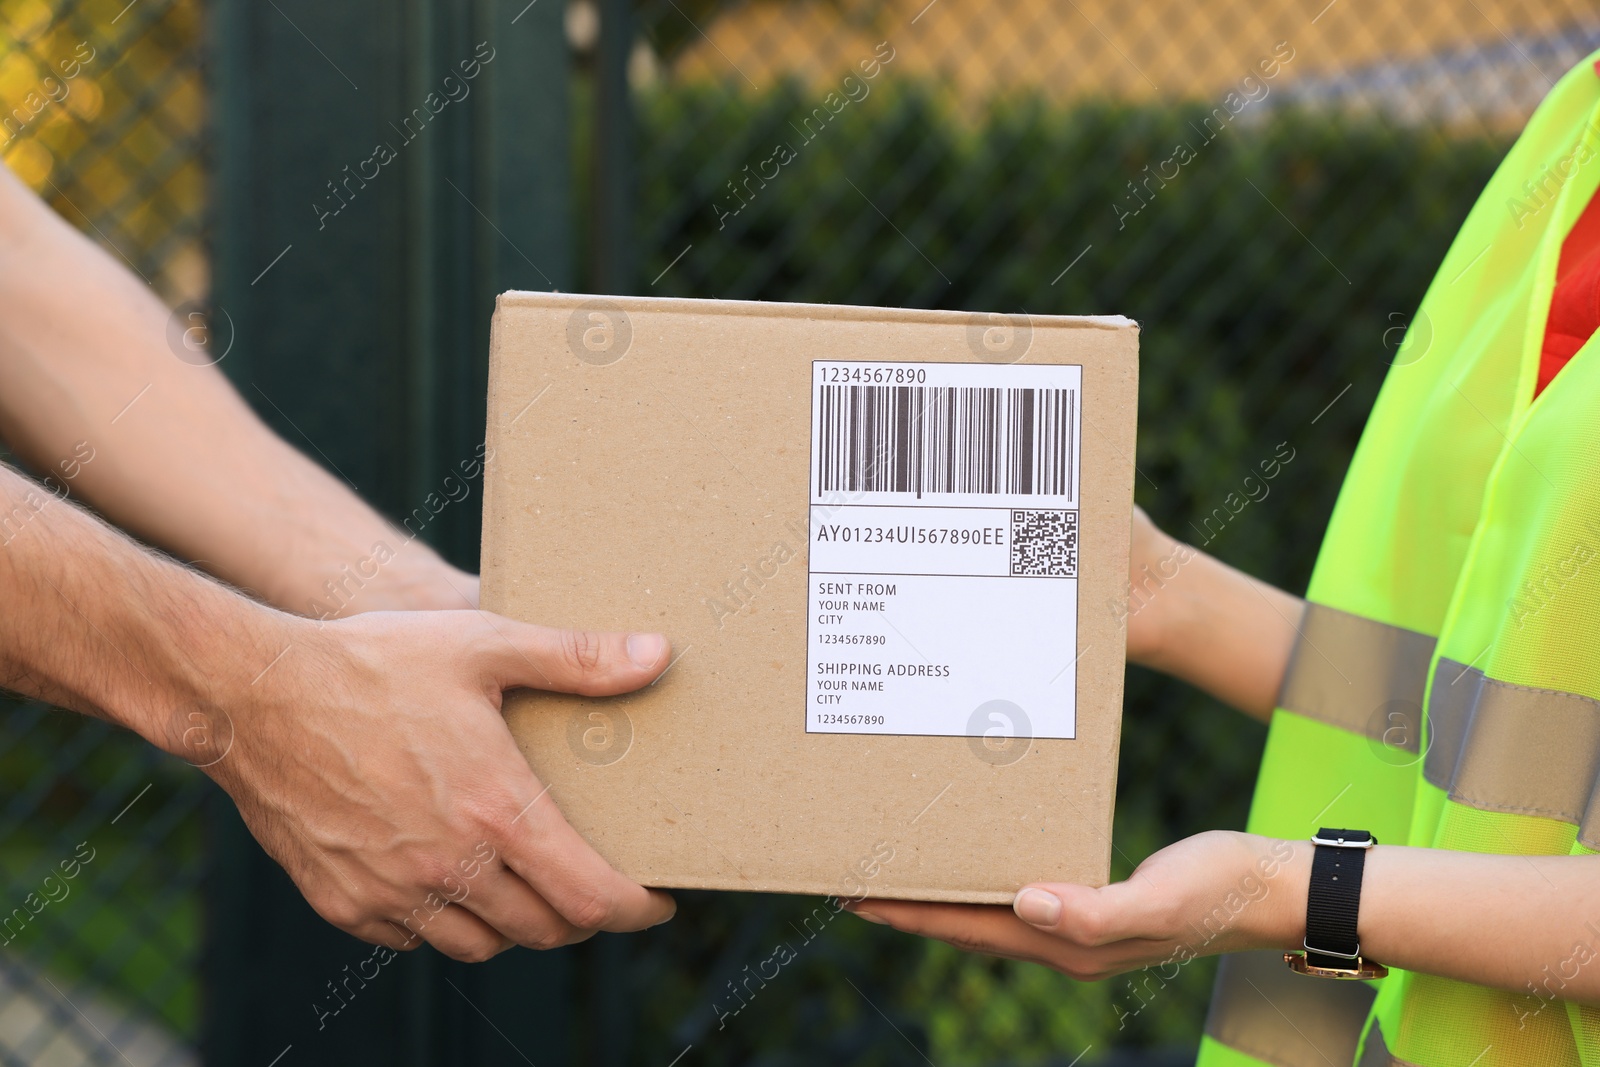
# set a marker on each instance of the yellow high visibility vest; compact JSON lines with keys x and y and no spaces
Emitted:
{"x":1445,"y":688}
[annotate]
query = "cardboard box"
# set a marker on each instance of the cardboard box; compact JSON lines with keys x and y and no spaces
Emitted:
{"x":899,"y":660}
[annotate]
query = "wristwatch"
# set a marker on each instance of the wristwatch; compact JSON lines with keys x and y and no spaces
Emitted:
{"x":1332,"y":948}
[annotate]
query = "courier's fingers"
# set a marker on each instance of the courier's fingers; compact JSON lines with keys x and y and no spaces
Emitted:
{"x":587,"y":662}
{"x":983,"y":928}
{"x":995,"y":931}
{"x":1090,"y":917}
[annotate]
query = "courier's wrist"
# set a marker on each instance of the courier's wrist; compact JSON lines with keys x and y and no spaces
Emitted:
{"x":1272,"y":876}
{"x":1288,"y":918}
{"x":1157,"y":612}
{"x":1172,"y":622}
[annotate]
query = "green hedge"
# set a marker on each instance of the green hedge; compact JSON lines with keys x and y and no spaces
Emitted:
{"x":1269,"y":276}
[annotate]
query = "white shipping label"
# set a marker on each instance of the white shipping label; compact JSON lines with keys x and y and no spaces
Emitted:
{"x":944,"y":549}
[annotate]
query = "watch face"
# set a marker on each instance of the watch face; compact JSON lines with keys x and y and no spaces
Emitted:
{"x":1363,"y":969}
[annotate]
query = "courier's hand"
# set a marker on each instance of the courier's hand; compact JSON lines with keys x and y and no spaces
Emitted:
{"x":371,"y":761}
{"x":1215,"y":892}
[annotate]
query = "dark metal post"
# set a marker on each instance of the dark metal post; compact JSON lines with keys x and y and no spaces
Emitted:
{"x":614,"y":248}
{"x":360,"y":284}
{"x":606,"y":963}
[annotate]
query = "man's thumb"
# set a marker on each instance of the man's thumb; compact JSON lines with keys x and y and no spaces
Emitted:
{"x":587,"y":662}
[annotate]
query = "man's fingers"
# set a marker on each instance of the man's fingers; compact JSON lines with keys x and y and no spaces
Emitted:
{"x":586,"y":891}
{"x":567,"y":873}
{"x":452,"y":930}
{"x":587,"y":662}
{"x":388,"y":933}
{"x":590,"y":895}
{"x":540,"y":847}
{"x":463,"y":936}
{"x":504,"y":901}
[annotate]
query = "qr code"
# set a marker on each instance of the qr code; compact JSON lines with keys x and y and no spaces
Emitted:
{"x":1044,"y":544}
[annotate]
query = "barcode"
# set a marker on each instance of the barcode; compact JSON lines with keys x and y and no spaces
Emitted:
{"x":928,"y":439}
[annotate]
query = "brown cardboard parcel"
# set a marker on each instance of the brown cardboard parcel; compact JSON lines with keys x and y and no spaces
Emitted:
{"x":887,"y":546}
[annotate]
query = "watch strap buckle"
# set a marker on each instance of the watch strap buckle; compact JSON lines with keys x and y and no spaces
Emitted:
{"x":1305,"y":943}
{"x":1363,"y":970}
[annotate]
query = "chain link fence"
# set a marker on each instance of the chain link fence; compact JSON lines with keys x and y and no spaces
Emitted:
{"x":101,"y":112}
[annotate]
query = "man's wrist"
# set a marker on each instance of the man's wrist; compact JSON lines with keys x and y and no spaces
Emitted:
{"x":209,"y":649}
{"x":410,"y":578}
{"x":431,"y":585}
{"x":99,"y":624}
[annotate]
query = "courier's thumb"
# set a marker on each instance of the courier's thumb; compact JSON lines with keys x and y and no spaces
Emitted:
{"x":587,"y":662}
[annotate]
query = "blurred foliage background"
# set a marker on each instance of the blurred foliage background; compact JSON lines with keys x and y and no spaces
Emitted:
{"x":1017,"y":157}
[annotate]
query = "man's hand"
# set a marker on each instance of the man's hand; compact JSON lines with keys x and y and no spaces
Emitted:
{"x":371,"y":761}
{"x":1214,"y":892}
{"x":367,"y":754}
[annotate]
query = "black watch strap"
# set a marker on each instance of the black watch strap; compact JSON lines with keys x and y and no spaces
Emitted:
{"x":1333,"y":903}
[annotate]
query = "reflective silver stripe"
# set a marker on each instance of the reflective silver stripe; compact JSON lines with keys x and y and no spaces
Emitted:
{"x":1513,"y":748}
{"x":1377,"y":1054}
{"x":1360,"y":675}
{"x":1263,"y":1009}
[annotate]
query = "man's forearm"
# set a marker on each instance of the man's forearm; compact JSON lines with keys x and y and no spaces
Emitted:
{"x":178,"y":457}
{"x":93,"y":622}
